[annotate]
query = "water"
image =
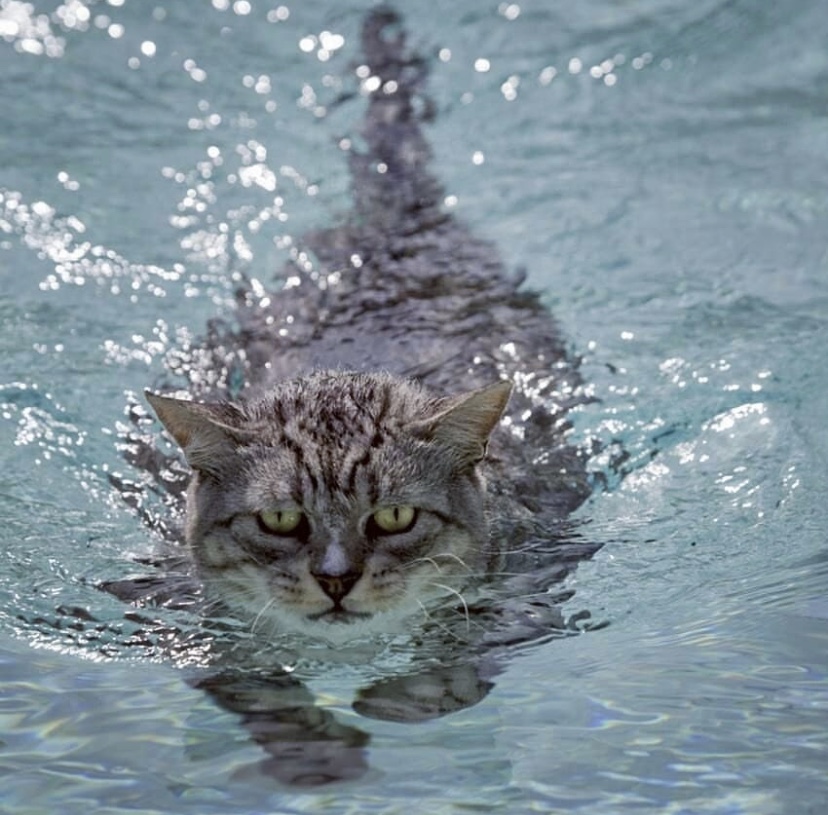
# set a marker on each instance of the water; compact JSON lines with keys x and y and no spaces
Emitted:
{"x":664,"y":184}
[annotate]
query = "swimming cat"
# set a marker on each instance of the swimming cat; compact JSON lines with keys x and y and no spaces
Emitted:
{"x":381,"y":443}
{"x":354,"y":456}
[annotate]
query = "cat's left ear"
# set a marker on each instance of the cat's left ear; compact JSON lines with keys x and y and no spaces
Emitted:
{"x":467,"y":422}
{"x":203,"y":431}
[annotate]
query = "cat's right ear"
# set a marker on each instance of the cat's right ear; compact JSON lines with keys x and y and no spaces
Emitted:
{"x":200,"y":430}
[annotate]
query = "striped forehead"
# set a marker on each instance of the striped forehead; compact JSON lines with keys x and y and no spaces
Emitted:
{"x":335,"y":452}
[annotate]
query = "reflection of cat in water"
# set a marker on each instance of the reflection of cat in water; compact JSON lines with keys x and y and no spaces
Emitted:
{"x":334,"y":502}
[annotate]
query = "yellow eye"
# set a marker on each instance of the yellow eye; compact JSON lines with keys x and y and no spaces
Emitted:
{"x":390,"y":520}
{"x":281,"y":521}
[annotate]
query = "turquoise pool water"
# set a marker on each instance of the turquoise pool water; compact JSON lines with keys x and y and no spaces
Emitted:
{"x":659,"y":168}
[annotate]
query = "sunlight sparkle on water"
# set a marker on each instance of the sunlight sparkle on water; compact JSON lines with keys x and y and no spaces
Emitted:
{"x":326,"y":44}
{"x":76,"y":262}
{"x":260,"y":84}
{"x":278,"y":15}
{"x":547,"y":74}
{"x":196,"y":74}
{"x":32,"y":33}
{"x":370,"y":84}
{"x":511,"y":11}
{"x":727,"y":421}
{"x":642,"y":61}
{"x":510,"y":87}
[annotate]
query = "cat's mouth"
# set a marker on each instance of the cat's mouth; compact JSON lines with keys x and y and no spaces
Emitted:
{"x":337,"y":615}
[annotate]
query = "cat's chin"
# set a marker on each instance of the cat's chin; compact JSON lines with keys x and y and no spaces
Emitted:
{"x":339,"y":627}
{"x":343,"y":627}
{"x":337,"y":616}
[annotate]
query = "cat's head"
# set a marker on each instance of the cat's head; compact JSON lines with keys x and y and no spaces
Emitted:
{"x":337,"y":504}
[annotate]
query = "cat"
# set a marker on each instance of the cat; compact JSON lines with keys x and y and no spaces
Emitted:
{"x":380,"y":445}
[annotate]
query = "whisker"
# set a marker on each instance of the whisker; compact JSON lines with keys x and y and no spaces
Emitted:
{"x":209,"y":606}
{"x":433,"y":620}
{"x":432,"y":559}
{"x":455,"y":557}
{"x":258,"y":617}
{"x":423,"y":608}
{"x":462,"y":599}
{"x":420,"y":560}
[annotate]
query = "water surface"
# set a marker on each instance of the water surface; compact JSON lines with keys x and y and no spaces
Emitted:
{"x":658,"y":168}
